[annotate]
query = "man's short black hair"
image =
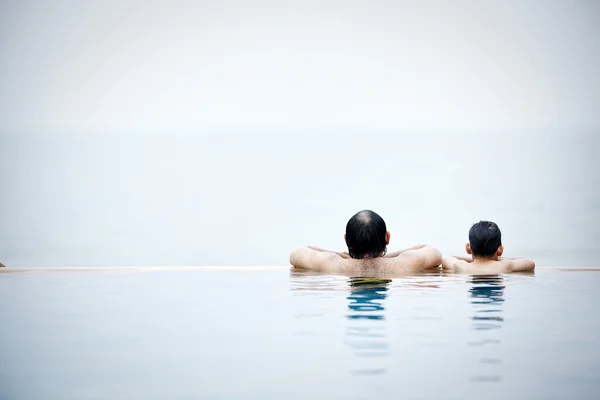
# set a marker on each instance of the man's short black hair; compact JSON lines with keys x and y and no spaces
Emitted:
{"x":365,"y":235}
{"x":485,"y":238}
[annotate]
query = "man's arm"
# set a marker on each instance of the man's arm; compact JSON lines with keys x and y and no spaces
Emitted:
{"x":424,"y":257}
{"x":397,"y":253}
{"x":307,"y":258}
{"x":339,"y":253}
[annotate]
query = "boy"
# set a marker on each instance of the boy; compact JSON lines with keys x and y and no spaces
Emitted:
{"x":485,"y":248}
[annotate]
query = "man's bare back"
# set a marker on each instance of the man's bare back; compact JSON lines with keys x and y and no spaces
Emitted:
{"x":367,"y":239}
{"x":414,"y":259}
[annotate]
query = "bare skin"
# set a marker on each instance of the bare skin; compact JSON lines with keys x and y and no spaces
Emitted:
{"x":415,"y":259}
{"x":495,"y":264}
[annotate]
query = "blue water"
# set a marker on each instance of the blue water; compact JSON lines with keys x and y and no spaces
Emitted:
{"x":262,"y":334}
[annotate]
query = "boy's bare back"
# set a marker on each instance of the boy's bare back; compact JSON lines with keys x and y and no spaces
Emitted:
{"x":478,"y":266}
{"x":485,"y":254}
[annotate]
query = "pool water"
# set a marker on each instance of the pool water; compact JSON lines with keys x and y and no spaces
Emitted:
{"x":272,"y":333}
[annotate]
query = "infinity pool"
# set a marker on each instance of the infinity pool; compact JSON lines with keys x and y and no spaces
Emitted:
{"x":271,"y":333}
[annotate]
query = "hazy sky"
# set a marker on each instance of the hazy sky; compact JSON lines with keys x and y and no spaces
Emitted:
{"x":123,"y":66}
{"x":227,"y":132}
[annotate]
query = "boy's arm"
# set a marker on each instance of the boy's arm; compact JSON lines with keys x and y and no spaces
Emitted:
{"x":449,"y":263}
{"x":307,"y":258}
{"x":452,"y":263}
{"x":520,"y":264}
{"x":421,"y":257}
{"x":467,"y":259}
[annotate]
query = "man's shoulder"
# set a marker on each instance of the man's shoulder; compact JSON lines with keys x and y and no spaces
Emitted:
{"x":349,"y":265}
{"x":426,"y":257}
{"x":403,"y":262}
{"x":330,"y":262}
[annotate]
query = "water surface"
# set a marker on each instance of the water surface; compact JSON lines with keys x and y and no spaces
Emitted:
{"x":190,"y":333}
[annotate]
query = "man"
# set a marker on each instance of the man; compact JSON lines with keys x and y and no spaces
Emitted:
{"x":485,"y":248}
{"x":367,"y":239}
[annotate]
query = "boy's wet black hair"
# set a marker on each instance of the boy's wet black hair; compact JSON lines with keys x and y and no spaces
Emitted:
{"x":485,"y":238}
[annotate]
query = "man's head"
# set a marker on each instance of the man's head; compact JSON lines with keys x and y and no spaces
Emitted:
{"x":366,"y":235}
{"x":485,"y":240}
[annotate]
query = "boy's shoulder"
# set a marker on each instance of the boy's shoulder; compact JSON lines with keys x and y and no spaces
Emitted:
{"x":480,"y":267}
{"x":495,"y":266}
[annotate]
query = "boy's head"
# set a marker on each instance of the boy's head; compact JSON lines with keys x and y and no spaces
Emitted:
{"x":485,"y":240}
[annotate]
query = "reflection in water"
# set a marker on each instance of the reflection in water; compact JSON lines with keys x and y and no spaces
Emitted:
{"x":486,"y":294}
{"x":366,"y":298}
{"x":364,"y":316}
{"x":366,"y":332}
